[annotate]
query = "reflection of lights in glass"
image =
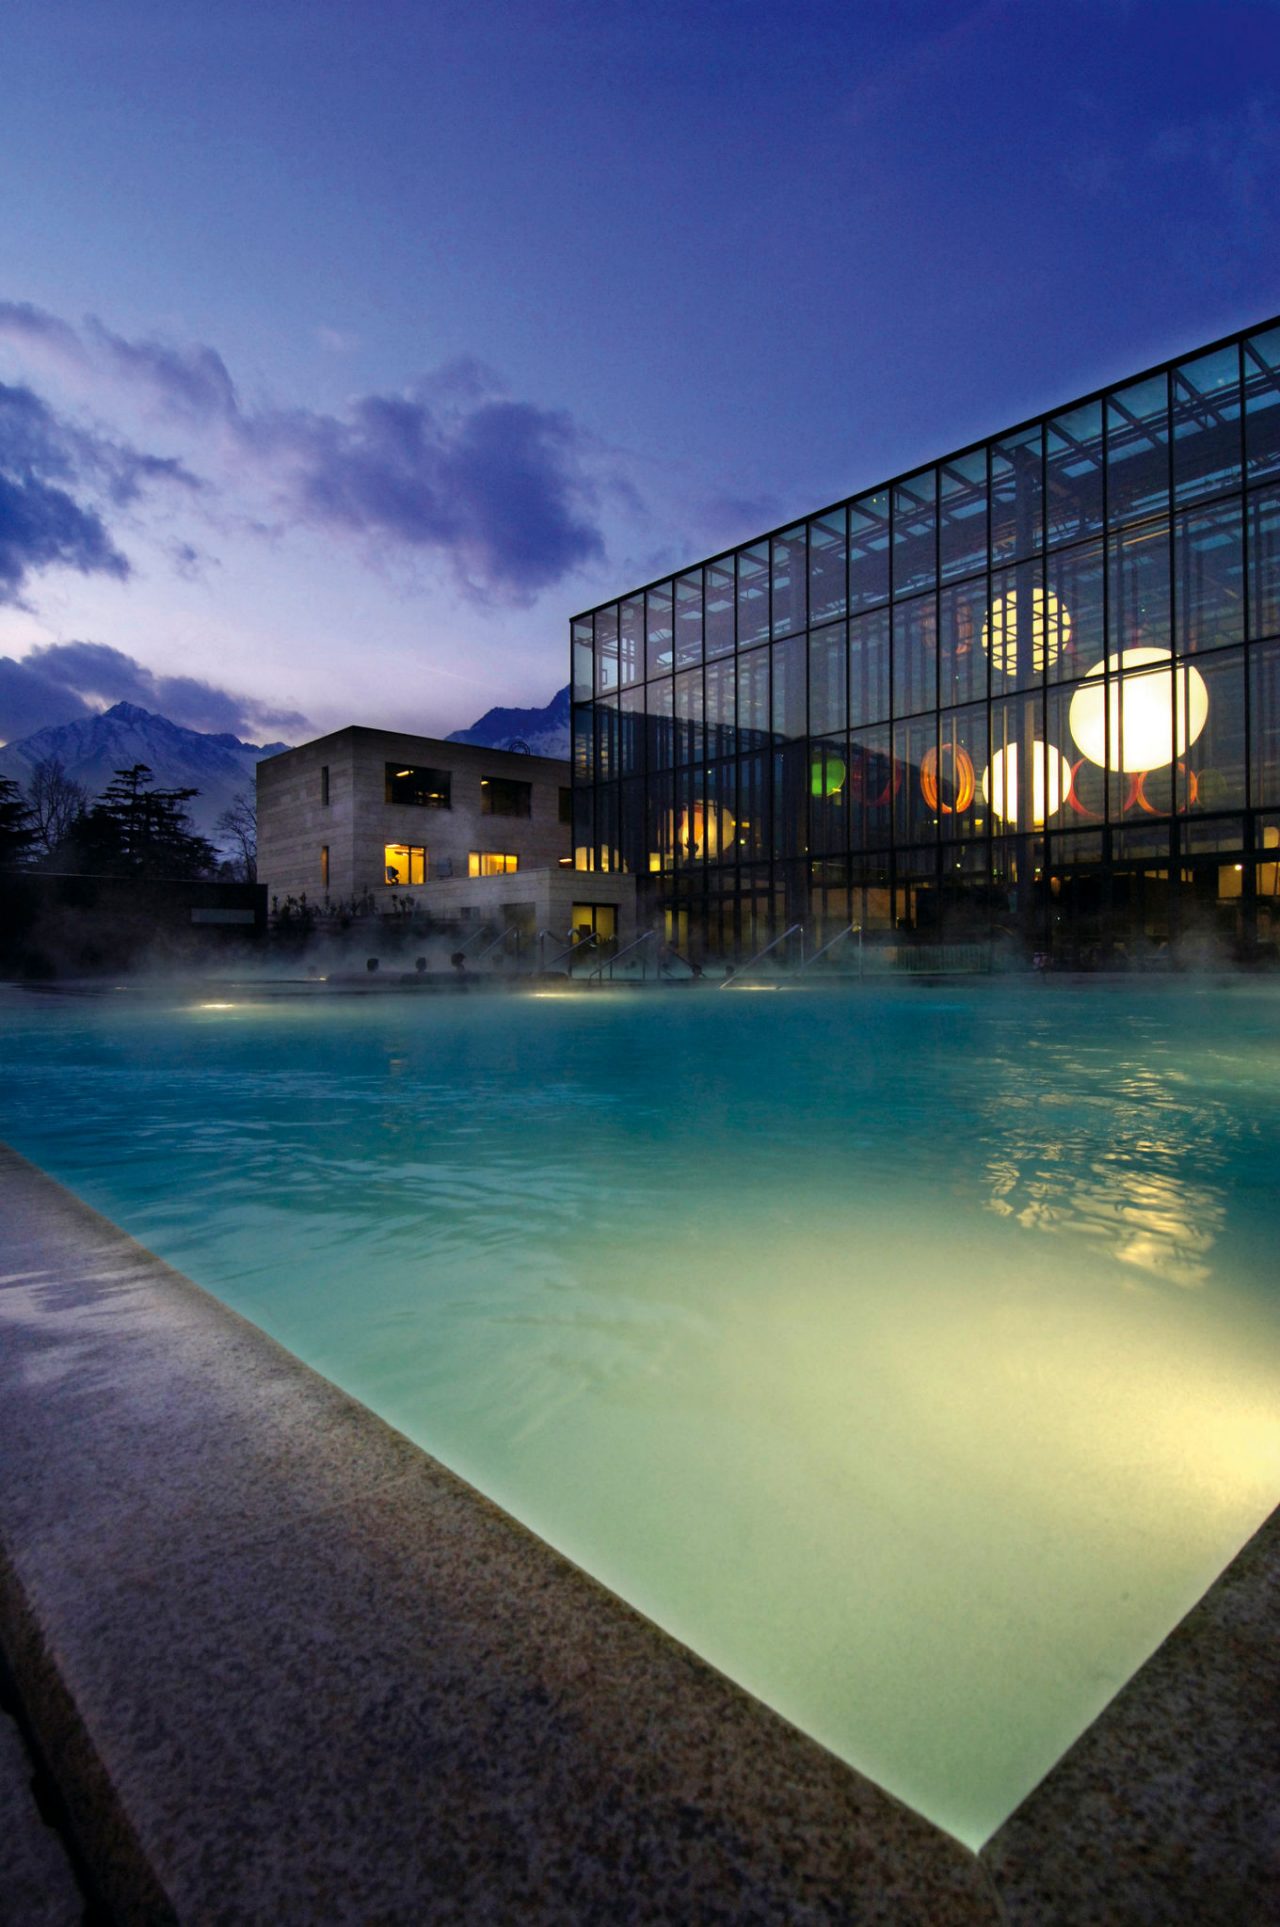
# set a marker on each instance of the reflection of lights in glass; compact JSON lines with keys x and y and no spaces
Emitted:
{"x":705,"y":830}
{"x":962,"y":782}
{"x":826,"y":776}
{"x":1050,"y":631}
{"x":1050,"y":782}
{"x":1137,"y":706}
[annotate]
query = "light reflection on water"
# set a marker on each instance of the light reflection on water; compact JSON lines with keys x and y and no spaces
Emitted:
{"x":849,"y":1336}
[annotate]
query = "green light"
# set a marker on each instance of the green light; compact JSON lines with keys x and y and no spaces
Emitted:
{"x":826,"y":776}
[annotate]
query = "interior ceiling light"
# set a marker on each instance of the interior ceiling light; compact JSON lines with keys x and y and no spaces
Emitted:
{"x":1050,"y":784}
{"x":1132,"y":714}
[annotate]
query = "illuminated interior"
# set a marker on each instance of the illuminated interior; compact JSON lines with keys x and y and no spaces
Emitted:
{"x":404,"y":864}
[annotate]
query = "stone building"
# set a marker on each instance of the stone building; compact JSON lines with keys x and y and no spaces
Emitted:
{"x":378,"y":820}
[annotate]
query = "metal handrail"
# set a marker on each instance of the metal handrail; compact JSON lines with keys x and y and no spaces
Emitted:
{"x":609,"y":962}
{"x":579,"y":943}
{"x":512,"y":929}
{"x":850,"y":929}
{"x":743,"y":968}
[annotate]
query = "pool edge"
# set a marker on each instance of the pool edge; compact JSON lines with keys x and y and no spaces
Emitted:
{"x":576,"y":1762}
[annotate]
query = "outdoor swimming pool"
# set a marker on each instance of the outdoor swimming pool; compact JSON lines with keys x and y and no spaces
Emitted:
{"x":912,"y":1355}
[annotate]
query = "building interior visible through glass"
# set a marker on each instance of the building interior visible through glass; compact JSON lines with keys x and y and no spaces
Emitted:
{"x":1031,"y":691}
{"x":405,"y":863}
{"x":491,"y":863}
{"x":425,"y":788}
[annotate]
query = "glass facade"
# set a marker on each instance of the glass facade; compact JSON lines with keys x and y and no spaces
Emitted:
{"x":1029,"y":694}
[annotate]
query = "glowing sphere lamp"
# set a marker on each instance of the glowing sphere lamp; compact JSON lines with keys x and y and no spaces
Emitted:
{"x":1050,"y":631}
{"x":1050,"y":784}
{"x":1136,"y":708}
{"x":826,"y":776}
{"x":704,"y":831}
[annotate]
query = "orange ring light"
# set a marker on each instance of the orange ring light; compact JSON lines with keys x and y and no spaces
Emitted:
{"x":1095,"y":816}
{"x":963,"y":773}
{"x":1138,"y":792}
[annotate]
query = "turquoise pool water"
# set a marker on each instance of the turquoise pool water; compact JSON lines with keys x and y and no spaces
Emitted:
{"x":911,"y":1355}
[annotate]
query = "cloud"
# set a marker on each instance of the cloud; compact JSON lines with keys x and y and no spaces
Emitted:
{"x":44,"y":462}
{"x":63,"y":682}
{"x":453,"y":469}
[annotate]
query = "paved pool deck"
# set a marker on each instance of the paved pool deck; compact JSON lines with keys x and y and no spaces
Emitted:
{"x":282,"y":1666}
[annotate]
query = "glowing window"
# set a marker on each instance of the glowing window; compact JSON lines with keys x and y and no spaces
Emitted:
{"x":403,"y":864}
{"x":491,"y":863}
{"x":425,"y":789}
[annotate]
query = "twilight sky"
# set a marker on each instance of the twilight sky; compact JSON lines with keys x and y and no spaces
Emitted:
{"x":347,"y":349}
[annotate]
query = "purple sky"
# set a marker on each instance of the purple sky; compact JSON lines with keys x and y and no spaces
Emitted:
{"x":345,"y":350}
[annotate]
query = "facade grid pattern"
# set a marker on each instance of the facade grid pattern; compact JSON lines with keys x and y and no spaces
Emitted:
{"x":1030,"y":692}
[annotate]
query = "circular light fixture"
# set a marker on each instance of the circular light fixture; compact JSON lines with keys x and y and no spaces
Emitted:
{"x":1050,"y":631}
{"x":1050,"y":783}
{"x":1135,"y":704}
{"x":826,"y":776}
{"x":962,"y":780}
{"x":704,"y":831}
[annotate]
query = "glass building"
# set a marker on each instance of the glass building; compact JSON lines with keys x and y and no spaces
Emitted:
{"x":1029,"y":694}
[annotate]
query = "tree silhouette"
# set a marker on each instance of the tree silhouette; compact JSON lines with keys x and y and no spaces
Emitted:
{"x":17,"y":832}
{"x":135,"y":830}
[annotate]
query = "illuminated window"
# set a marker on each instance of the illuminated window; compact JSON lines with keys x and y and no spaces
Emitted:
{"x":491,"y":863}
{"x":425,"y":789}
{"x":501,"y":796}
{"x":404,"y":863}
{"x":324,"y":865}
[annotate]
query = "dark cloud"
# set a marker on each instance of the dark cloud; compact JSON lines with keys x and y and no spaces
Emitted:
{"x":455,"y":469}
{"x":42,"y":523}
{"x":63,"y":682}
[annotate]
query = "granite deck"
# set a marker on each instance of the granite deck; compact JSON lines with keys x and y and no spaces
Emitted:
{"x":283,"y":1666}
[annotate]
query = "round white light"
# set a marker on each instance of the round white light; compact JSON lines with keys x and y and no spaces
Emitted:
{"x":1050,"y":782}
{"x":1050,"y":631}
{"x":705,"y":830}
{"x":1137,"y":706}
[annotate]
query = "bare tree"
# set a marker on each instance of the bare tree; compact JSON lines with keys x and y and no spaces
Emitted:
{"x":239,"y":823}
{"x":56,"y":804}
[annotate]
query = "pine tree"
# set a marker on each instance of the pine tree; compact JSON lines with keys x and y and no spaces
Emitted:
{"x":17,"y":831}
{"x":135,"y":830}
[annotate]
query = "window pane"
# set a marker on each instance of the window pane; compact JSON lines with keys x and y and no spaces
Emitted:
{"x":1017,"y":514}
{"x":719,"y":578}
{"x":689,"y":619}
{"x":1262,"y":405}
{"x":1076,"y":609}
{"x":828,"y":814}
{"x":583,"y":743}
{"x":582,"y":630}
{"x":962,"y":515}
{"x":606,"y":740}
{"x":915,"y":530}
{"x":658,"y":629}
{"x":1264,"y":724}
{"x":414,"y":783}
{"x":1073,"y":474}
{"x":1138,"y":450}
{"x":1264,"y":562}
{"x":1139,"y":570}
{"x":1019,"y":633}
{"x":828,"y":708}
{"x":1208,"y":561}
{"x":631,"y":640}
{"x":950,"y":781}
{"x":753,"y":595}
{"x":660,"y":707}
{"x":1206,"y":425}
{"x":828,"y":542}
{"x":788,"y":710}
{"x":606,"y":624}
{"x":404,"y":864}
{"x":753,"y":699}
{"x":869,"y":551}
{"x":790,"y":800}
{"x":869,"y":667}
{"x":789,"y":575}
{"x":503,"y":796}
{"x":962,"y":658}
{"x":915,"y":655}
{"x":1210,"y":771}
{"x":915,"y":750}
{"x":870,"y":787}
{"x":631,"y":731}
{"x":721,"y":733}
{"x":689,"y":716}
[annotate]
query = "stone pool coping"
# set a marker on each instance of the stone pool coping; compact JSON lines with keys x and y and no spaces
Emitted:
{"x":284,"y":1666}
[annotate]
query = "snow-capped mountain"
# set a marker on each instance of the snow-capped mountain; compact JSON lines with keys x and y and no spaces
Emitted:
{"x":94,"y":748}
{"x":543,"y":731}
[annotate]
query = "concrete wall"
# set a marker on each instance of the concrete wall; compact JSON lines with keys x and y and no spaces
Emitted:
{"x":357,"y":822}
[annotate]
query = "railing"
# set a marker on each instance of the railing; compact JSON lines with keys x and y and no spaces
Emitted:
{"x":742,"y":969}
{"x":850,"y":930}
{"x":578,"y":943}
{"x":512,"y":930}
{"x":609,"y":962}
